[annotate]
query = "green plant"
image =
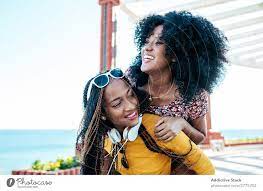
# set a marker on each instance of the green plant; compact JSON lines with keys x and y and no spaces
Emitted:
{"x":60,"y":163}
{"x":37,"y":165}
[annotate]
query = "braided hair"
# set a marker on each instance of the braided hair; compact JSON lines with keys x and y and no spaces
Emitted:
{"x":90,"y":136}
{"x":93,"y":131}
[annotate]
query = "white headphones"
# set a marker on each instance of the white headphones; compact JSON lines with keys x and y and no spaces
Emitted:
{"x":129,"y":134}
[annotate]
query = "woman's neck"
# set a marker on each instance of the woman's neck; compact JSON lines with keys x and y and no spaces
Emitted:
{"x":160,"y":82}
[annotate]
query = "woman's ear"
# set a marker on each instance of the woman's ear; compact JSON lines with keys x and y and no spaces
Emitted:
{"x":103,"y":115}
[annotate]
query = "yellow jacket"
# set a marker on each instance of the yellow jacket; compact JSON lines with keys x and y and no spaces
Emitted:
{"x":143,"y":161}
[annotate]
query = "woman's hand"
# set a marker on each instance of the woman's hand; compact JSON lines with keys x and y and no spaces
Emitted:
{"x":168,"y":127}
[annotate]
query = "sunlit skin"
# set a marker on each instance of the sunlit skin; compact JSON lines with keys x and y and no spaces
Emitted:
{"x":157,"y":67}
{"x":153,"y":53}
{"x":121,"y":104}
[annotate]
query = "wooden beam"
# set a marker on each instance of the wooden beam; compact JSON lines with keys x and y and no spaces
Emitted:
{"x":199,"y":4}
{"x":192,"y":6}
{"x":243,"y":52}
{"x":248,"y":43}
{"x":252,"y":65}
{"x":245,"y":34}
{"x":240,"y":24}
{"x":250,"y":62}
{"x":256,"y":38}
{"x":237,"y":12}
{"x":134,"y":18}
{"x":251,"y":56}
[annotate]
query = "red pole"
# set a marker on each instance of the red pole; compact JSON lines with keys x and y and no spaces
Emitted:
{"x":106,"y":33}
{"x":101,"y":38}
{"x":208,"y":117}
{"x":109,"y":35}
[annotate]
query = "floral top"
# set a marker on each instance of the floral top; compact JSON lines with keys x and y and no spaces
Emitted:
{"x":198,"y":107}
{"x":178,"y":108}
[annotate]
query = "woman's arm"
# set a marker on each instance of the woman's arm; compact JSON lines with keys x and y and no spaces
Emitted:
{"x":195,"y":129}
{"x":168,"y":127}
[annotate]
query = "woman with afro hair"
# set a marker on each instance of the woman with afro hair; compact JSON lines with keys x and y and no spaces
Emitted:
{"x":181,"y":58}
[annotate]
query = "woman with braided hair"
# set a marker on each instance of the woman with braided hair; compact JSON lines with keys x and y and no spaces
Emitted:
{"x":115,"y":138}
{"x":181,"y":58}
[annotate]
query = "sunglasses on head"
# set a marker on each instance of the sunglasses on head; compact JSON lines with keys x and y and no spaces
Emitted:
{"x":102,"y":80}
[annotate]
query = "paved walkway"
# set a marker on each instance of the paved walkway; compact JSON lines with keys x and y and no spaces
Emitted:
{"x":239,"y":160}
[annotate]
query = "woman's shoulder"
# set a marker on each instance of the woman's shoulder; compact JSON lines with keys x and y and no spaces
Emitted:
{"x":199,"y":105}
{"x":201,"y":94}
{"x":199,"y":97}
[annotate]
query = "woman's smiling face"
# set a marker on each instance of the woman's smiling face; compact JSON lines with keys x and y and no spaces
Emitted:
{"x":153,"y":53}
{"x":121,"y":104}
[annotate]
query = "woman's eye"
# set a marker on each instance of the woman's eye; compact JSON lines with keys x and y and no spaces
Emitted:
{"x":116,"y":105}
{"x":159,"y":42}
{"x":146,"y":41}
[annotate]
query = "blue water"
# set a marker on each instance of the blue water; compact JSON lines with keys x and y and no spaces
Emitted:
{"x":242,"y":134}
{"x":20,"y":148}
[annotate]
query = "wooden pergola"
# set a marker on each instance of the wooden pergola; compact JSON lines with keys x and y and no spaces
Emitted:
{"x":240,"y":20}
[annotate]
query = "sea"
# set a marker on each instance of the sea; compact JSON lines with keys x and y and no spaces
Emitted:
{"x":20,"y":148}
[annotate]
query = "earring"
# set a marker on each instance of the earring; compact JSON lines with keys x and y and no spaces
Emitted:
{"x":103,"y":118}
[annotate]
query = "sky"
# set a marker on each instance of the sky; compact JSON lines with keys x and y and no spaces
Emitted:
{"x":49,"y":49}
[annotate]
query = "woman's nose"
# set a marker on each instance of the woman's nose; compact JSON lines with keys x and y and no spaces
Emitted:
{"x":148,"y":47}
{"x":130,"y":105}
